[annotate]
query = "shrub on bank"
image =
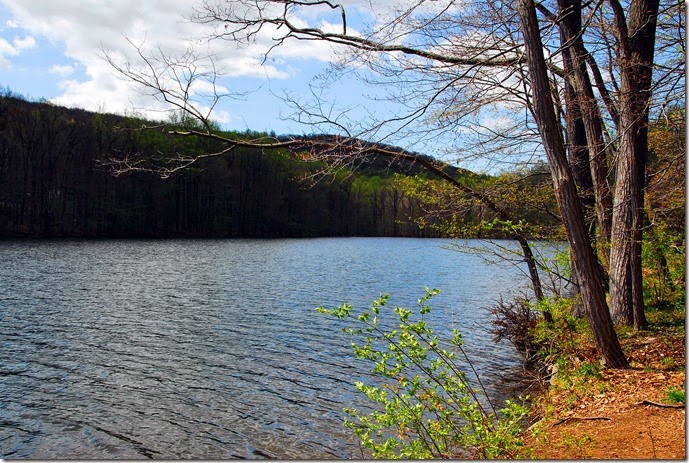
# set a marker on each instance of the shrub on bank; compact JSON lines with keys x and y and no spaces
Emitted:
{"x":425,"y":405}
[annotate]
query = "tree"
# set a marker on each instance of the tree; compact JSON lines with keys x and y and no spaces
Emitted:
{"x":583,"y":121}
{"x":449,"y":62}
{"x":51,"y":185}
{"x":585,"y":263}
{"x":636,"y":44}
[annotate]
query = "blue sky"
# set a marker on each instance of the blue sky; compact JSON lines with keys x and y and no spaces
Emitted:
{"x":50,"y":50}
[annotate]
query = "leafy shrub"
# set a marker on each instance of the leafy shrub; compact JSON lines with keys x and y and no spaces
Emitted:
{"x":589,"y":369}
{"x":549,"y":348}
{"x":425,"y":407}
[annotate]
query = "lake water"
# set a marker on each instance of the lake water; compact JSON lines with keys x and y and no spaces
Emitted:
{"x":212,"y":349}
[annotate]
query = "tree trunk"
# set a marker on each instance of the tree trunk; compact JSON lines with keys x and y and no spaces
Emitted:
{"x":585,"y":261}
{"x":637,"y":43}
{"x":529,"y":257}
{"x":587,"y":105}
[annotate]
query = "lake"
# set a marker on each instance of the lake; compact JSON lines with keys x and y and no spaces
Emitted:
{"x":212,"y":349}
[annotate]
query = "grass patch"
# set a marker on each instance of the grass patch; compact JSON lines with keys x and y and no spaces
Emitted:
{"x":675,"y":395}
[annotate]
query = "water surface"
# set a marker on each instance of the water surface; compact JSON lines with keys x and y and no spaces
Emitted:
{"x":211,"y":349}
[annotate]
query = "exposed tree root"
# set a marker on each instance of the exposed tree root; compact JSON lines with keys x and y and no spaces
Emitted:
{"x":656,"y":404}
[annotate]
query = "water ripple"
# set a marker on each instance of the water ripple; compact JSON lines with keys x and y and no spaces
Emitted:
{"x":208,"y":349}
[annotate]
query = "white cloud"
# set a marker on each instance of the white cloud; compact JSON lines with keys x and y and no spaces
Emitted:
{"x":61,"y":69}
{"x":24,"y":43}
{"x":6,"y":48}
{"x":15,"y":48}
{"x":82,"y":29}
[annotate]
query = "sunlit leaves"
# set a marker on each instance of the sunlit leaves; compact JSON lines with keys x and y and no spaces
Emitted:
{"x":424,"y":407}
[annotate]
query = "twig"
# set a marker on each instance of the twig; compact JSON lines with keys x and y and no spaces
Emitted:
{"x":577,"y":418}
{"x":534,"y":425}
{"x":656,"y":404}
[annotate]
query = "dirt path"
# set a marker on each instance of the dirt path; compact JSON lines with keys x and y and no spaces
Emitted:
{"x":628,"y":418}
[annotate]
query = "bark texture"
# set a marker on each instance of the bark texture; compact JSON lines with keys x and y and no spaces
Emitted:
{"x":585,"y":262}
{"x":587,"y":106}
{"x":636,"y":37}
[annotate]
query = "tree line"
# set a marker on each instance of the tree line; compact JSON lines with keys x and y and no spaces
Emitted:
{"x":55,"y":181}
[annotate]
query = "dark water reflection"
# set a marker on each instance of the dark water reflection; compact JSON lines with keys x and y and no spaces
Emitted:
{"x":210,"y":349}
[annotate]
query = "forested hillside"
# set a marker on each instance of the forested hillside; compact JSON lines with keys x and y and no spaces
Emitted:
{"x":53,"y":183}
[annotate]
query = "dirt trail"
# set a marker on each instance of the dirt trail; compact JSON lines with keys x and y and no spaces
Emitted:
{"x":630,"y":419}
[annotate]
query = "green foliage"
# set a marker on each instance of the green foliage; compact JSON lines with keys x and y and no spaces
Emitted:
{"x":675,"y":395}
{"x":663,"y":261}
{"x":588,"y":369}
{"x":564,"y":333}
{"x":665,"y":204}
{"x":510,"y":228}
{"x":552,"y":350}
{"x":458,"y":214}
{"x":571,"y":442}
{"x":425,"y":406}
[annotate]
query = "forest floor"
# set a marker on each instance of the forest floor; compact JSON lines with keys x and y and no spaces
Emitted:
{"x":619,"y":414}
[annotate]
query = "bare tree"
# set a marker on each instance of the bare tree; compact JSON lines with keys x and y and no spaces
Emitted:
{"x":172,"y":81}
{"x":585,"y":263}
{"x":583,"y":69}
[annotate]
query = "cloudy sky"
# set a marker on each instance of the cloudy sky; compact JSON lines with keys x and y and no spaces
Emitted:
{"x":53,"y":50}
